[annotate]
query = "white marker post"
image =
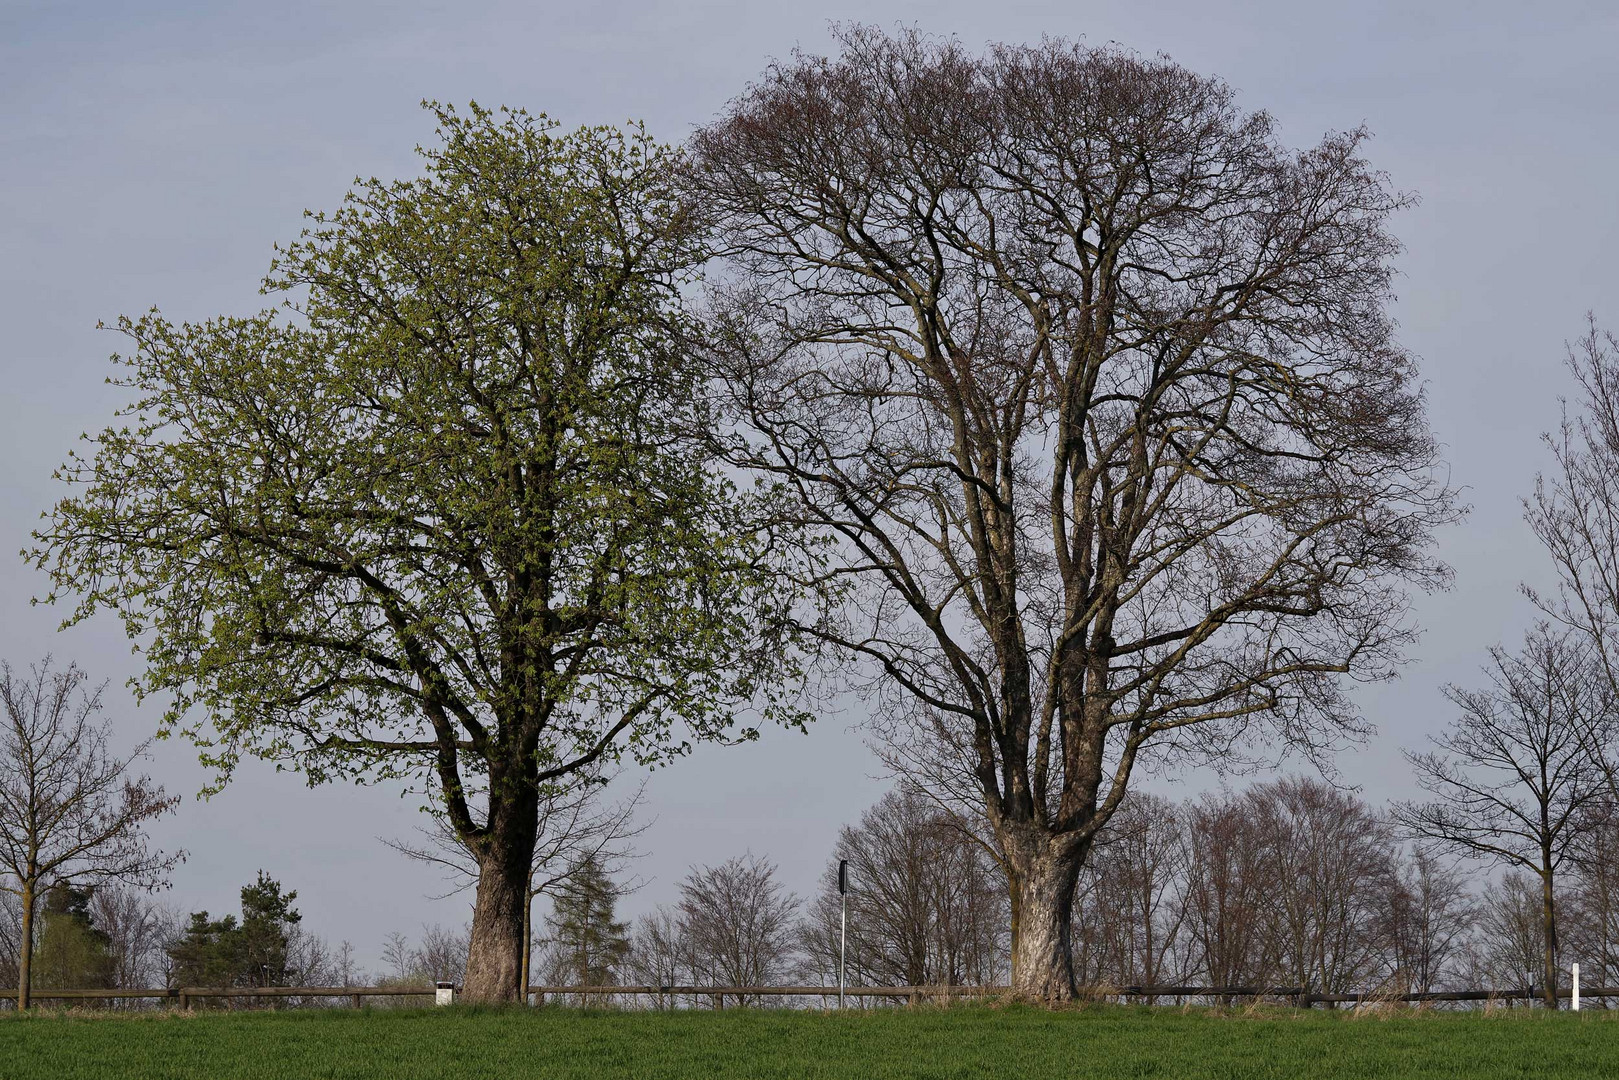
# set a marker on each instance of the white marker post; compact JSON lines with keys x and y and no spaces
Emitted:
{"x":843,"y":926}
{"x":1576,"y":994}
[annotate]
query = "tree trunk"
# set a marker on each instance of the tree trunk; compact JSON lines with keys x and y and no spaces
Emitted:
{"x":25,"y":950}
{"x":1044,"y":878}
{"x":496,"y":952}
{"x":1548,"y":908}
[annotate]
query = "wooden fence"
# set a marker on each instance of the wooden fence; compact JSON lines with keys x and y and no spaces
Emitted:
{"x":914,"y":994}
{"x":184,"y":997}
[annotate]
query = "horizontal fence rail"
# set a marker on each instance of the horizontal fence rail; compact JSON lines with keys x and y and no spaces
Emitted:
{"x":183,"y":996}
{"x":1295,"y":994}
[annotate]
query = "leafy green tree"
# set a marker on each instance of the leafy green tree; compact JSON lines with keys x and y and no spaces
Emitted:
{"x":445,"y":515}
{"x":251,"y":951}
{"x":201,"y":957}
{"x":71,"y":952}
{"x":584,"y":926}
{"x":260,"y":942}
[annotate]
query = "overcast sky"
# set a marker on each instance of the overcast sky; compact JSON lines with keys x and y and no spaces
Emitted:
{"x":151,"y":154}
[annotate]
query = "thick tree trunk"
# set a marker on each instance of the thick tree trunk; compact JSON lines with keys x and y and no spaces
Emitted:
{"x":1548,"y":908}
{"x":1044,"y":877}
{"x":25,"y":949}
{"x":495,"y":957}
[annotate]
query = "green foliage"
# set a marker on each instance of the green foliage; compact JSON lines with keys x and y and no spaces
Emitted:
{"x":887,"y":1044}
{"x":70,"y":952}
{"x":249,"y":952}
{"x":446,"y":512}
{"x":585,"y":929}
{"x":261,"y":940}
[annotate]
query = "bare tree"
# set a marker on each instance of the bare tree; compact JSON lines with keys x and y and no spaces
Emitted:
{"x":1512,"y":779}
{"x":1333,"y":870}
{"x":1594,"y":898}
{"x":396,"y":955}
{"x":1428,"y":920}
{"x":1228,"y":893}
{"x":927,"y":903}
{"x":1129,"y":930}
{"x":737,"y":922}
{"x":1512,"y":933}
{"x":442,"y":956}
{"x":139,"y":931}
{"x":1091,"y":386}
{"x":70,"y":809}
{"x":575,"y":825}
{"x":1575,"y":515}
{"x":1290,"y":882}
{"x":659,"y":953}
{"x":10,"y":938}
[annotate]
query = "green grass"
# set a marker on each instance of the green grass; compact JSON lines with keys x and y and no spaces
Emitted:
{"x":935,"y":1043}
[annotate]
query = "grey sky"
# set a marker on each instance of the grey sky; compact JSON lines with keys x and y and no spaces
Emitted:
{"x":151,"y":153}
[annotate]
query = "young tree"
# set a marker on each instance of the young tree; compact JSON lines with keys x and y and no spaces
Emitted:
{"x":71,"y":952}
{"x":1512,"y":933}
{"x":1512,"y":780}
{"x":137,"y":929}
{"x":737,"y":921}
{"x":10,"y":937}
{"x":659,"y":953}
{"x":1594,"y":897}
{"x":70,"y":809}
{"x":442,"y":955}
{"x":1092,"y":386}
{"x":445,"y":516}
{"x":396,"y":955}
{"x":590,"y":942}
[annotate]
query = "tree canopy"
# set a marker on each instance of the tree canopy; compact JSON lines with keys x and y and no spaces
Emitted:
{"x":444,"y":513}
{"x":1095,"y":385}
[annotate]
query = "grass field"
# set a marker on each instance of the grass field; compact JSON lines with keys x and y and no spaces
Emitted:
{"x":936,"y":1043}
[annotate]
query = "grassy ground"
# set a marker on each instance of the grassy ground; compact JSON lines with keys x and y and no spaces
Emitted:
{"x":935,"y":1043}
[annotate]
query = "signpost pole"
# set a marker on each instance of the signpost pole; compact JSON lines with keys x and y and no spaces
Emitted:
{"x":843,"y":925}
